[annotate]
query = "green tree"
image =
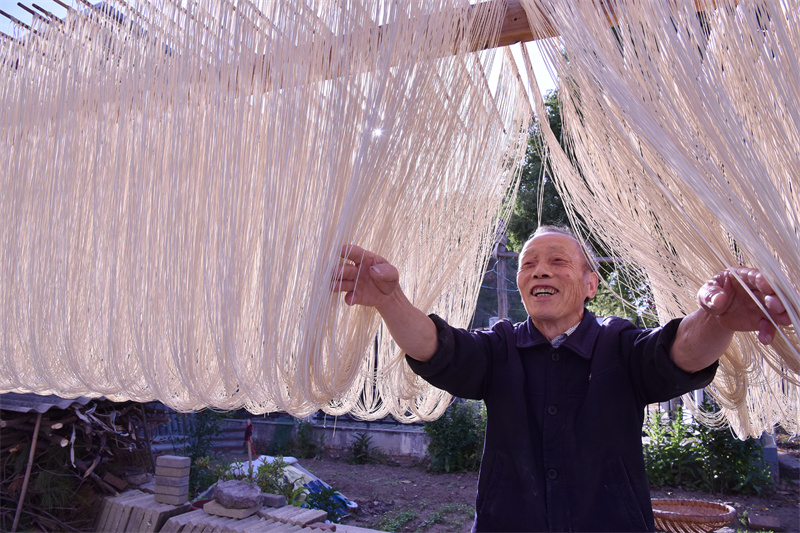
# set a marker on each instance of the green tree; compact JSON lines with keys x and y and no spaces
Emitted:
{"x":456,"y":438}
{"x":536,"y":183}
{"x":624,"y":292}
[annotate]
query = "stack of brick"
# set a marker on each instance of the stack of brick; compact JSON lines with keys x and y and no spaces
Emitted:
{"x":172,"y":479}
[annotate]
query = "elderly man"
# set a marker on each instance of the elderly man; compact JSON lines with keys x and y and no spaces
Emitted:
{"x":565,"y":395}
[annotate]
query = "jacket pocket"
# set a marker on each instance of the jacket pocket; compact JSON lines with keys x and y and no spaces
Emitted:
{"x":624,"y":494}
{"x":488,"y":487}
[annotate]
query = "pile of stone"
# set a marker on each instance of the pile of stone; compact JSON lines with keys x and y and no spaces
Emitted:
{"x":172,"y":479}
{"x":235,"y":499}
{"x":240,"y":500}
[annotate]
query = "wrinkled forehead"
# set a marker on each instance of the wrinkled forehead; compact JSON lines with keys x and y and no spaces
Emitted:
{"x":554,"y":243}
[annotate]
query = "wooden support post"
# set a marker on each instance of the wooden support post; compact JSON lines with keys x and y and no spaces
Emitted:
{"x":500,"y":254}
{"x":502,"y":285}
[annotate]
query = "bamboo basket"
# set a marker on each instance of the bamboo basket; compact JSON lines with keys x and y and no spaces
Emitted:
{"x":691,"y":516}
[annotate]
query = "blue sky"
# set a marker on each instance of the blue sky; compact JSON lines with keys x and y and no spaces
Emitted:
{"x":11,"y":7}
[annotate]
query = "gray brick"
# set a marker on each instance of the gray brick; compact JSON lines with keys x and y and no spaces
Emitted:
{"x":281,"y":513}
{"x":287,"y":528}
{"x":158,"y":513}
{"x":171,"y":500}
{"x":215,"y":508}
{"x":309,"y":516}
{"x":173,"y":491}
{"x":172,"y":472}
{"x":214,"y":523}
{"x":124,"y":509}
{"x":176,"y":523}
{"x":169,"y":481}
{"x":273,"y":500}
{"x":265,"y":526}
{"x":173,"y":461}
{"x":110,"y":508}
{"x":135,"y":521}
{"x":242,"y":526}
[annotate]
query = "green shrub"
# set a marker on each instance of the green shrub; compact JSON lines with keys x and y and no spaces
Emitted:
{"x":456,"y":438}
{"x":672,"y":457}
{"x":732,"y":466}
{"x":693,"y":456}
{"x":270,"y":478}
{"x":197,"y":446}
{"x":206,"y":424}
{"x":305,"y":445}
{"x":361,"y":450}
{"x":202,"y":475}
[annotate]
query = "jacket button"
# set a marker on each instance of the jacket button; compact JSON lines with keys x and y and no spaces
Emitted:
{"x":552,"y":410}
{"x":555,"y":356}
{"x":552,"y":473}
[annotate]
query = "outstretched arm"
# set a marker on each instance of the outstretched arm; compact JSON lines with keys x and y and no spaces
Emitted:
{"x":726,"y":307}
{"x":368,"y":279}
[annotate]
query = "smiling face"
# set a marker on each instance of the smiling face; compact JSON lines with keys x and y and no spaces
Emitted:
{"x":554,"y":280}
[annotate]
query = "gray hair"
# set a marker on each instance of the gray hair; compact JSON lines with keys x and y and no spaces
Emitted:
{"x":588,"y":253}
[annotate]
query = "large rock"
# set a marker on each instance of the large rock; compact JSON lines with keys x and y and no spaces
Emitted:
{"x":237,"y":494}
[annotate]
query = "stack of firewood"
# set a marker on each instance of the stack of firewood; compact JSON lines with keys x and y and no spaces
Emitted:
{"x":79,"y":453}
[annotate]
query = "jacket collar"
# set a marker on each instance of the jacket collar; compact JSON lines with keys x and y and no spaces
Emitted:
{"x":581,"y":341}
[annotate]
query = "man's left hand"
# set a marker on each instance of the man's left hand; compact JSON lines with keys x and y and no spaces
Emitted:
{"x":725,"y":297}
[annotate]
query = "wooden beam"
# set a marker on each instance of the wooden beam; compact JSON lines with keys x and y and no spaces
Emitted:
{"x":516,"y":29}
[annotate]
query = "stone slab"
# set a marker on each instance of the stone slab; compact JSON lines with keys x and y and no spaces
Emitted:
{"x":287,"y":528}
{"x":157,"y":513}
{"x":168,"y":481}
{"x":242,"y":526}
{"x":167,"y":471}
{"x":176,"y":523}
{"x":102,"y":514}
{"x":109,"y":508}
{"x":308,"y":516}
{"x":323,"y":526}
{"x":198,"y":523}
{"x":213,"y":523}
{"x":134,"y":524}
{"x":281,"y":513}
{"x":265,"y":526}
{"x":273,"y":500}
{"x":172,"y":491}
{"x":173,"y":461}
{"x":763,"y":521}
{"x":215,"y":508}
{"x":171,"y":500}
{"x":123,"y":512}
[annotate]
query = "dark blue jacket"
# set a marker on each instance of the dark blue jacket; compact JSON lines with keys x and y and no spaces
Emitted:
{"x":563,"y":447}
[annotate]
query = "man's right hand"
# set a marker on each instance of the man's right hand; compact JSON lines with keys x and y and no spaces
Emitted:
{"x":368,"y":279}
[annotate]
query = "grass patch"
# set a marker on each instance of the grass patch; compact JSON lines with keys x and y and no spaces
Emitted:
{"x":395,"y":521}
{"x":452,"y":514}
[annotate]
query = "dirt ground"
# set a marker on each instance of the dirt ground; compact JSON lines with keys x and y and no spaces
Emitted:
{"x":408,"y":498}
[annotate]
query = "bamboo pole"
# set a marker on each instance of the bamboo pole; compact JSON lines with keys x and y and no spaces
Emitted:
{"x":27,"y":473}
